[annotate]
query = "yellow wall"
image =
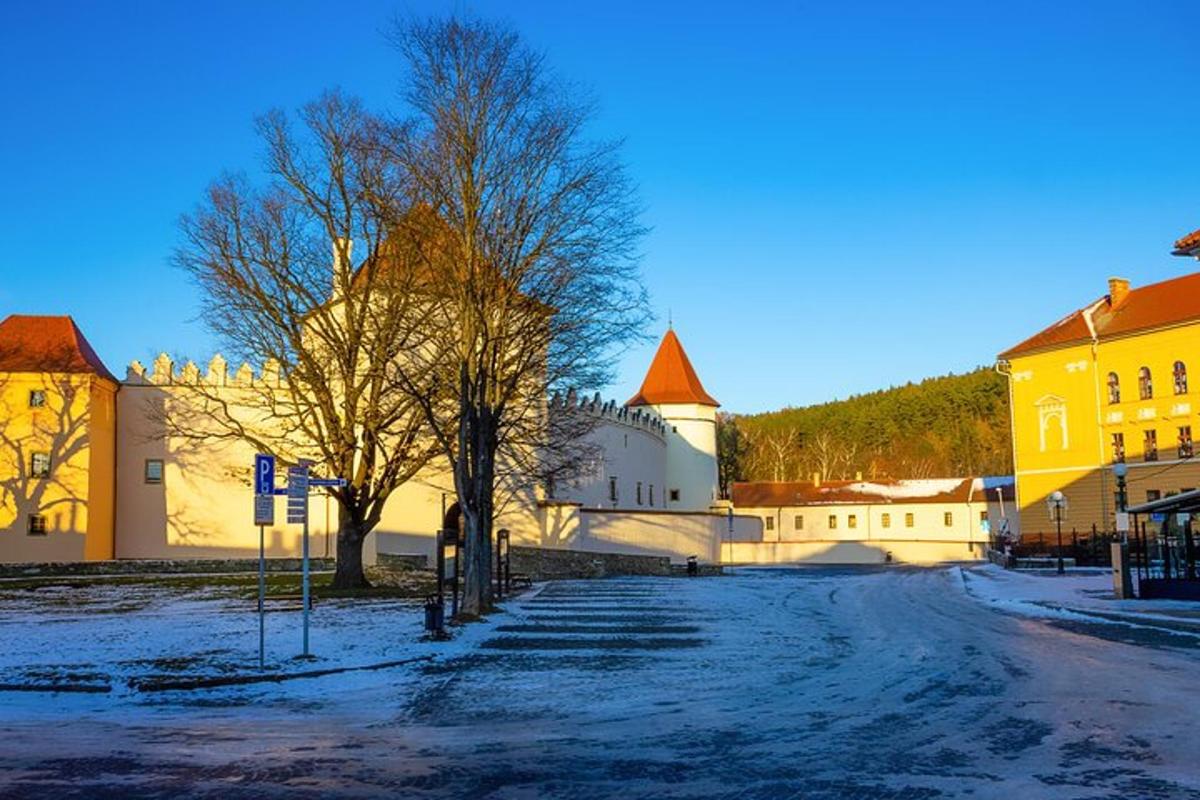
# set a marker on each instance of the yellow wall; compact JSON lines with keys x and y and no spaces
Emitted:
{"x":1082,"y":469}
{"x":76,"y":427}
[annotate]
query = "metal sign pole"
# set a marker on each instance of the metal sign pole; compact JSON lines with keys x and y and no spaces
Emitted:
{"x":304,"y":579}
{"x":262,"y":593}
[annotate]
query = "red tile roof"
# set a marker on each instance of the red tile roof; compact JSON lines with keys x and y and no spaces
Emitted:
{"x":1147,"y":307}
{"x":47,"y":344}
{"x":1186,"y":245}
{"x":773,"y":494}
{"x":671,"y":378}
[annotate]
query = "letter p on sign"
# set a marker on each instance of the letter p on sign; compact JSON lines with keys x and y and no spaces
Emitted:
{"x":264,"y":474}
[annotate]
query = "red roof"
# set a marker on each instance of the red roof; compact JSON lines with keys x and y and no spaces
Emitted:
{"x":47,"y":344}
{"x":671,"y":378}
{"x":1155,"y":306}
{"x":804,"y":493}
{"x":1186,"y":245}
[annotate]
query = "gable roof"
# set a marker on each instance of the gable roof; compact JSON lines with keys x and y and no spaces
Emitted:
{"x":1157,"y":305}
{"x":671,"y":378}
{"x":806,"y":493}
{"x":47,"y":344}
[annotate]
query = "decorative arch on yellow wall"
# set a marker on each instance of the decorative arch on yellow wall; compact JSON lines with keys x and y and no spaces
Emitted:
{"x":1052,"y":411}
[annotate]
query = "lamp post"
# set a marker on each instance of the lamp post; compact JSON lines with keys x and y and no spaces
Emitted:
{"x":1057,"y":500}
{"x":1120,"y":471}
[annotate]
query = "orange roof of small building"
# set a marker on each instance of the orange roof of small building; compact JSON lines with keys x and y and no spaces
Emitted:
{"x":671,"y":378}
{"x":1157,"y":305}
{"x":47,"y":344}
{"x":775,"y":494}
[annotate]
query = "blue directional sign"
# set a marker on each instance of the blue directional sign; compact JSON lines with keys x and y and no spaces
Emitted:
{"x":297,"y":495}
{"x":264,"y":474}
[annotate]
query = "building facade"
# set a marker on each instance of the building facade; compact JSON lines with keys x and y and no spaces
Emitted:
{"x":917,"y":521}
{"x":1108,"y":383}
{"x":93,"y":468}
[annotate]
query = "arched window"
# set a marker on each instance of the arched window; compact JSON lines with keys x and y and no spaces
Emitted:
{"x":1114,"y":389}
{"x":1145,"y":387}
{"x":1180,"y":378}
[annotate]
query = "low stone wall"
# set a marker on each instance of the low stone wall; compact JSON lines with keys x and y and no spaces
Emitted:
{"x":541,"y":563}
{"x":162,"y":567}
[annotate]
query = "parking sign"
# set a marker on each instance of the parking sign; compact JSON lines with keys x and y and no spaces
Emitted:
{"x":264,"y":474}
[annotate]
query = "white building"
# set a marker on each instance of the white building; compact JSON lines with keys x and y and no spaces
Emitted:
{"x":863,"y":521}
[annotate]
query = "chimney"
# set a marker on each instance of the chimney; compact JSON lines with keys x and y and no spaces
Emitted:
{"x":1118,"y":290}
{"x":342,"y":249}
{"x":817,"y":480}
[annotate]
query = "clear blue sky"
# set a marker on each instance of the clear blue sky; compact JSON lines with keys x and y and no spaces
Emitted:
{"x":843,"y":196}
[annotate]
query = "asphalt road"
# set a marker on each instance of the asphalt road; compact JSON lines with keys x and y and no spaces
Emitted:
{"x":806,"y":683}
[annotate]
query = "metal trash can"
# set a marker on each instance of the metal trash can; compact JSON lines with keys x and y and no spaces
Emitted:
{"x":435,"y":614}
{"x":693,"y":568}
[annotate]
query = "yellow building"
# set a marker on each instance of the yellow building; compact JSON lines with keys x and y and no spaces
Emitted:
{"x":57,"y":443}
{"x":1108,"y":383}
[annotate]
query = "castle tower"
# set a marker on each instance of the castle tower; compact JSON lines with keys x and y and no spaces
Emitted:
{"x":674,"y":392}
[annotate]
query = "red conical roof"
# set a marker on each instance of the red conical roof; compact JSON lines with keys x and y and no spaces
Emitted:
{"x":47,"y":344}
{"x":671,"y":378}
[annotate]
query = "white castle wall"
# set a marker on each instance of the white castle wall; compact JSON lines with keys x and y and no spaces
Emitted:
{"x":691,"y":437}
{"x":203,"y":508}
{"x":630,"y":449}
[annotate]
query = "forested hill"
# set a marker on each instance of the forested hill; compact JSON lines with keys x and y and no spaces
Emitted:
{"x":950,"y":426}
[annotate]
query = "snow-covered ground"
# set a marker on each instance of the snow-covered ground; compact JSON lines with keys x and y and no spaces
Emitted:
{"x":806,"y":682}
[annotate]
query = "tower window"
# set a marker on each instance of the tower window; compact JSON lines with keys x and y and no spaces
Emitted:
{"x":1180,"y":375}
{"x":1150,"y":445}
{"x":908,"y":520}
{"x":1118,"y":448}
{"x":885,"y":520}
{"x":833,"y":522}
{"x":948,"y":519}
{"x":851,"y":520}
{"x":799,"y":522}
{"x":1114,"y":389}
{"x":1185,"y":441}
{"x":37,"y":398}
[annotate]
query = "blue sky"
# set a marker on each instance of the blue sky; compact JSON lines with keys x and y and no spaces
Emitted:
{"x":843,"y":196}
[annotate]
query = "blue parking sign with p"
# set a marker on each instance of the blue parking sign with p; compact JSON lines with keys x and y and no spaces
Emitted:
{"x":264,"y":474}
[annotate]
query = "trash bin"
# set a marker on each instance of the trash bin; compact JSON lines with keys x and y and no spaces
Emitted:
{"x":692,"y":566}
{"x":435,"y":614}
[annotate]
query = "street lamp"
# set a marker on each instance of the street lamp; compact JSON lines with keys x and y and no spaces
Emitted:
{"x":1056,"y":501}
{"x":1120,"y":470}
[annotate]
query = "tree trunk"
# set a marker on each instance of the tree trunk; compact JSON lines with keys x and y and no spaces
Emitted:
{"x":472,"y":598}
{"x":349,"y":573}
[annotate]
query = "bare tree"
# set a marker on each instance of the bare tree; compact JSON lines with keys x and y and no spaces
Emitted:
{"x":534,"y":261}
{"x":330,"y":334}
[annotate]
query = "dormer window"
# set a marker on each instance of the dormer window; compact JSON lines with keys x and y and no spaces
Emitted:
{"x":1145,"y":385}
{"x":1114,"y":389}
{"x":1180,"y":374}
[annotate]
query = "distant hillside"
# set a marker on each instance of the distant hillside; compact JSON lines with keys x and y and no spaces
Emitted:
{"x":949,"y":426}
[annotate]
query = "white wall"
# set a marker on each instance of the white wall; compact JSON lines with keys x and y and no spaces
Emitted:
{"x":633,"y":455}
{"x":691,"y":454}
{"x":928,"y":522}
